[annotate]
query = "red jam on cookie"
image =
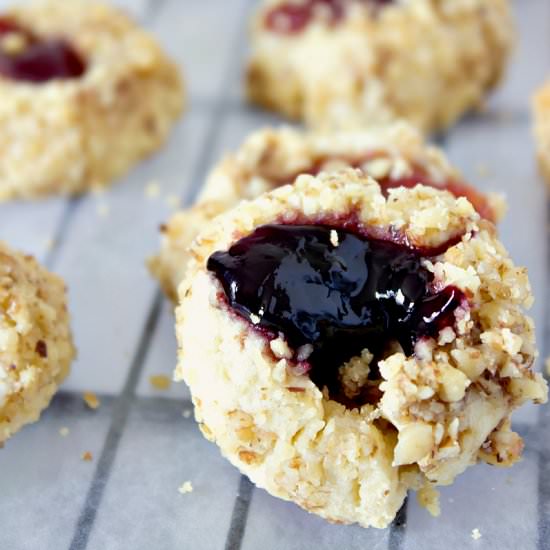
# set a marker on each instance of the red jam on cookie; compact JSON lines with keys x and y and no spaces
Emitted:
{"x":27,"y":57}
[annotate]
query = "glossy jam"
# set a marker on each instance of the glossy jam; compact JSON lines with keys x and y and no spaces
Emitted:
{"x":333,"y":289}
{"x":38,"y":60}
{"x":291,"y":17}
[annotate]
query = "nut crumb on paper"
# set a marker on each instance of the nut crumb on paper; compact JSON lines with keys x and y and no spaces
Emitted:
{"x":173,"y":201}
{"x":152,"y":189}
{"x":87,"y":456}
{"x":186,"y":487}
{"x":476,"y":535}
{"x":482,"y":170}
{"x":428,"y":497}
{"x":64,"y":431}
{"x":160,"y":382}
{"x":103,"y":210}
{"x":91,"y":400}
{"x":98,"y":189}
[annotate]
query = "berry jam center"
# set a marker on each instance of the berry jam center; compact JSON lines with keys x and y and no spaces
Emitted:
{"x":28,"y":58}
{"x":334,"y":291}
{"x":292,"y":17}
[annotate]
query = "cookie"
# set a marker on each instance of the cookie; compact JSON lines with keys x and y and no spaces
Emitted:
{"x":342,"y":63}
{"x":394,"y":155}
{"x":541,"y":112}
{"x":84,"y":95}
{"x":36,"y":347}
{"x":343,"y":347}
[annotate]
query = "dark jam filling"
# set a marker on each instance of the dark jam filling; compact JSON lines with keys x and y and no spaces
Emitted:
{"x":291,"y":18}
{"x":336,"y":290}
{"x":38,"y":60}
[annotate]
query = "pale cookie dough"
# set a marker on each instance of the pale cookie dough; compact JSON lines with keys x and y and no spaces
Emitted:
{"x":541,"y":111}
{"x":273,"y":157}
{"x":429,"y":415}
{"x":341,"y":63}
{"x":67,"y":135}
{"x":36,"y":347}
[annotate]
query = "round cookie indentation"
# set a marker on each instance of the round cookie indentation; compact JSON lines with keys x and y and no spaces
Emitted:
{"x":332,"y":293}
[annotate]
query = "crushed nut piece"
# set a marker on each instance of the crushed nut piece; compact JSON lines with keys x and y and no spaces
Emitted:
{"x":378,"y":168}
{"x":173,"y":201}
{"x":304,"y":352}
{"x":103,"y":209}
{"x":476,"y":534}
{"x":428,"y":497}
{"x":185,"y":488}
{"x":91,"y":400}
{"x":87,"y":456}
{"x":14,"y":43}
{"x":255,"y":319}
{"x":152,"y":189}
{"x":482,"y":170}
{"x":160,"y":382}
{"x":280,"y":348}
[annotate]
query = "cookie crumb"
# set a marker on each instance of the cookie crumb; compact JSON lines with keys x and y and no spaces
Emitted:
{"x":255,"y":319}
{"x":64,"y":431}
{"x":152,"y":189}
{"x":334,"y":238}
{"x":160,"y":382}
{"x":476,"y":535}
{"x":428,"y":497}
{"x":14,"y":43}
{"x":482,"y":170}
{"x":173,"y":201}
{"x":91,"y":400}
{"x":186,"y":413}
{"x":87,"y":456}
{"x":304,"y":352}
{"x":98,"y":189}
{"x":185,"y":488}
